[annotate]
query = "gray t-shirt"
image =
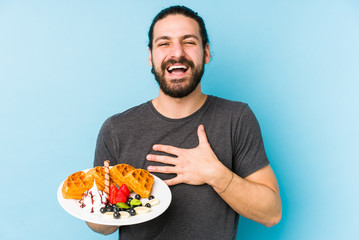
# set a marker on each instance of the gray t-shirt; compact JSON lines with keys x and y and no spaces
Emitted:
{"x":196,"y":212}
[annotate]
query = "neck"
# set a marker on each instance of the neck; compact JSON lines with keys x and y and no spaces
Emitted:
{"x":176,"y":108}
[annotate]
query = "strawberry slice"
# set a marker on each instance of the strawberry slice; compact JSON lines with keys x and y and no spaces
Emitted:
{"x":113,"y":191}
{"x":120,"y":197}
{"x":124,"y":190}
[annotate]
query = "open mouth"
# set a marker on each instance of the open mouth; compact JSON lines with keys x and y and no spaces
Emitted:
{"x":177,"y":69}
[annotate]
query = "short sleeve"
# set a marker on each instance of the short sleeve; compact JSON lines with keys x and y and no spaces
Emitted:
{"x":249,"y":152}
{"x":104,"y":145}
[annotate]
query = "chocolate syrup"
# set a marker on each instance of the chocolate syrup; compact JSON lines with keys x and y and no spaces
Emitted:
{"x":89,"y":193}
{"x":91,"y":197}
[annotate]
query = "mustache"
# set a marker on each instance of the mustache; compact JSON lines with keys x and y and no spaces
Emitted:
{"x":181,"y":60}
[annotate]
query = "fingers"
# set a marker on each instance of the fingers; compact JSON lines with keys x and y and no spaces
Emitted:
{"x":167,"y":149}
{"x":166,"y":169}
{"x":161,"y":158}
{"x":161,"y":169}
{"x":202,"y":136}
{"x":173,"y":181}
{"x":183,"y":161}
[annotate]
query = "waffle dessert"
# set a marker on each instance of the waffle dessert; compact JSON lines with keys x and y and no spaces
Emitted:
{"x":119,"y":172}
{"x":75,"y":185}
{"x":97,"y":174}
{"x":140,"y":181}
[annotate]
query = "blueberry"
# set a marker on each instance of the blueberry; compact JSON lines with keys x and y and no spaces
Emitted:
{"x":109,"y":208}
{"x":148,"y":205}
{"x":116,"y":215}
{"x":132,"y":212}
{"x":138,"y":197}
{"x":103,"y":210}
{"x":151,"y":197}
{"x":129,"y":200}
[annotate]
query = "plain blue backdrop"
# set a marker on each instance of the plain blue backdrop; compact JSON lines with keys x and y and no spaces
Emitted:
{"x":65,"y":66}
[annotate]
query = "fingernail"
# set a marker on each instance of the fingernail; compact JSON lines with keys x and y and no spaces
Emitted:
{"x":148,"y":157}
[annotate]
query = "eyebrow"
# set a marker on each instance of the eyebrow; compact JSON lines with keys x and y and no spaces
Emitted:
{"x":190,"y":36}
{"x":182,"y":38}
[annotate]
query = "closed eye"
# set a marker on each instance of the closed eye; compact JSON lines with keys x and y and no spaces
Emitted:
{"x":163,"y":44}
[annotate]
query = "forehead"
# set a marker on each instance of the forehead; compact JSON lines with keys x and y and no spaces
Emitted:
{"x":176,"y":26}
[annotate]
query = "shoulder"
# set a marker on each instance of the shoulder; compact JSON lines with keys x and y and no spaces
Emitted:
{"x":127,"y":117}
{"x":229,"y":107}
{"x":237,"y":112}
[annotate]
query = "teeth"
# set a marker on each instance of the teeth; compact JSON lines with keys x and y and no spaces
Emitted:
{"x":177,"y":67}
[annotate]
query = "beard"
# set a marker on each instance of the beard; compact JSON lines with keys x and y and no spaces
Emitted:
{"x":173,"y":88}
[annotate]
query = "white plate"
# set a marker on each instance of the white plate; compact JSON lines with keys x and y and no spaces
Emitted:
{"x":159,"y":189}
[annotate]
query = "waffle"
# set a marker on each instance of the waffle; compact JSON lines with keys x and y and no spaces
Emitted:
{"x":97,"y":174}
{"x":75,"y":185}
{"x":140,"y":181}
{"x":119,"y":172}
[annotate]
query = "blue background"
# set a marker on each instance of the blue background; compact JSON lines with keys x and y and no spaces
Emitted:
{"x":65,"y":66}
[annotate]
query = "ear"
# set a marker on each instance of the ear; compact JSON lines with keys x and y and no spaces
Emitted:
{"x":207,"y":54}
{"x":150,"y":57}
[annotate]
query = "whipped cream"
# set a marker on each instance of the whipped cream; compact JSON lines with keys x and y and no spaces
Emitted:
{"x":93,"y":199}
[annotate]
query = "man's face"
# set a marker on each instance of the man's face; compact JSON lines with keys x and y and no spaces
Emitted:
{"x":178,"y":56}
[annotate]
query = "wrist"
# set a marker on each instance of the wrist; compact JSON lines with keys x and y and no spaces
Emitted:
{"x":221,"y":178}
{"x":232,"y":175}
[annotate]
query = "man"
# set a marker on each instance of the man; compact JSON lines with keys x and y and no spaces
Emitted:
{"x":207,"y":149}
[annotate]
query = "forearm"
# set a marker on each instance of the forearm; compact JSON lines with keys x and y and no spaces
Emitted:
{"x":252,"y":200}
{"x":103,"y":229}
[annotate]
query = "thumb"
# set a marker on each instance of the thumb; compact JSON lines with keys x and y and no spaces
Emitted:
{"x":202,"y":137}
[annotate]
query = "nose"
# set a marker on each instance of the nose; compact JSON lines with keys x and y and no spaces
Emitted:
{"x":177,"y":50}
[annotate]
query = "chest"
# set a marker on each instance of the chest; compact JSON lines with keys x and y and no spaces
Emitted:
{"x":136,"y":143}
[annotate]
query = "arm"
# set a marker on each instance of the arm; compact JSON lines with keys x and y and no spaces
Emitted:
{"x":255,"y":197}
{"x":103,"y":229}
{"x":102,"y":153}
